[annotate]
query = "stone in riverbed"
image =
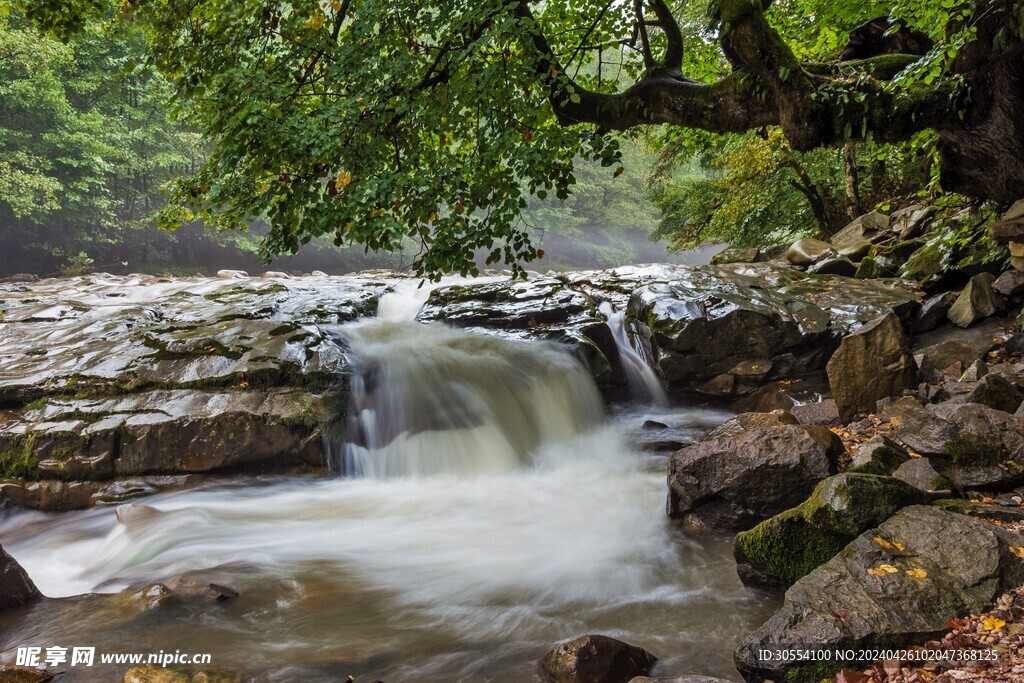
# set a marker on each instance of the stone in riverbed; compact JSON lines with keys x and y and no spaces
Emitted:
{"x":781,"y":550}
{"x":16,"y":588}
{"x":737,"y":255}
{"x":872,"y":363}
{"x":834,"y":266}
{"x":933,"y":312}
{"x":995,"y":391}
{"x":1010,"y":283}
{"x":595,"y":659}
{"x":752,"y":467}
{"x":878,"y":455}
{"x":977,"y":301}
{"x":808,"y":251}
{"x":876,"y":593}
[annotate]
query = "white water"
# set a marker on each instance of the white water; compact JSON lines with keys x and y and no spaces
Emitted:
{"x":494,"y":516}
{"x":643,"y":383}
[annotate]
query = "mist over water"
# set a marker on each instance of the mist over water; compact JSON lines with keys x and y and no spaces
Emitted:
{"x":487,"y":510}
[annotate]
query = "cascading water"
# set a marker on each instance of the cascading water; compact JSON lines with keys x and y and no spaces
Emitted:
{"x":427,"y":399}
{"x":643,"y":383}
{"x":496,"y":513}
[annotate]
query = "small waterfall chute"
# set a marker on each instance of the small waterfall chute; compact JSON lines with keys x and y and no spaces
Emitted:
{"x":643,"y":383}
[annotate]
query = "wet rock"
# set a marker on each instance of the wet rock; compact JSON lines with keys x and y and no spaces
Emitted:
{"x":595,"y":659}
{"x":787,"y":547}
{"x":178,"y":674}
{"x":909,"y":222}
{"x":876,"y":593}
{"x":155,"y":596}
{"x":933,"y":312}
{"x":1010,"y":283}
{"x":976,"y":302}
{"x":49,"y":496}
{"x":752,"y":467}
{"x":232,"y":274}
{"x":974,"y":372}
{"x":1010,"y":226}
{"x":871,"y":268}
{"x":995,"y":391}
{"x":878,"y":455}
{"x":808,"y":251}
{"x":678,"y":679}
{"x":871,"y":363}
{"x":919,"y":473}
{"x":975,"y":446}
{"x":948,"y":353}
{"x":823,"y":412}
{"x":869,"y":228}
{"x":707,"y":322}
{"x":16,"y":588}
{"x":737,"y":255}
{"x":834,"y":266}
{"x":856,"y":251}
{"x":24,"y":674}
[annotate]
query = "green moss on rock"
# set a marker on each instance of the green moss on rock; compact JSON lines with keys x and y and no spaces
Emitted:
{"x":17,"y":459}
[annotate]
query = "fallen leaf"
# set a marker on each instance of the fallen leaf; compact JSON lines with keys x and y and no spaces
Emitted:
{"x":895,"y":420}
{"x":917,"y":573}
{"x":882,"y":542}
{"x":992,"y":623}
{"x":1017,"y":550}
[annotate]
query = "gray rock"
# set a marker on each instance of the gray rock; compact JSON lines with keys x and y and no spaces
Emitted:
{"x":872,"y":363}
{"x":975,"y":446}
{"x":933,"y":312}
{"x":919,"y":473}
{"x":976,"y":302}
{"x":957,"y":565}
{"x":594,"y":658}
{"x":909,"y":222}
{"x":16,"y":588}
{"x":995,"y":391}
{"x":737,"y":255}
{"x":948,"y":353}
{"x":878,"y":455}
{"x":808,"y":251}
{"x":1010,"y":283}
{"x":678,"y":679}
{"x":834,"y":266}
{"x":752,"y":467}
{"x":974,"y":372}
{"x":822,"y":412}
{"x":867,"y":228}
{"x":708,"y":319}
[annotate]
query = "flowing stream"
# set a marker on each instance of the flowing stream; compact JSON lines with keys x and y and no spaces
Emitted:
{"x":487,"y":509}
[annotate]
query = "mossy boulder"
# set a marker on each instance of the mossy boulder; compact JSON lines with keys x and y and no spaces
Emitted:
{"x":781,"y":550}
{"x":893,"y":585}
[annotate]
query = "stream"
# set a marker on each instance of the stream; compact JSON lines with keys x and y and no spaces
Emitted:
{"x":482,"y":507}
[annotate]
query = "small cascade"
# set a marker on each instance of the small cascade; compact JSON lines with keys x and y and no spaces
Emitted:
{"x":643,"y":383}
{"x":429,"y":399}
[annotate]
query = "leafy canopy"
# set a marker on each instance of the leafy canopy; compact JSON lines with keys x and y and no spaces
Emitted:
{"x":373,"y":122}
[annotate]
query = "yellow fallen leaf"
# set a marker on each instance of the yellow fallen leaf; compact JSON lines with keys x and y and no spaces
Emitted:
{"x":882,"y":570}
{"x":1017,"y":550}
{"x":914,"y":454}
{"x":917,"y":573}
{"x":882,"y":542}
{"x":992,"y":623}
{"x":895,"y":420}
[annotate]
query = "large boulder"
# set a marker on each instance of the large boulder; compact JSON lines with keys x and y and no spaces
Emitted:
{"x":787,"y":547}
{"x":808,"y":251}
{"x":16,"y":588}
{"x":977,"y":301}
{"x":894,"y":585}
{"x":752,"y":467}
{"x":707,"y":320}
{"x":872,"y":363}
{"x":595,"y":659}
{"x":977,"y":447}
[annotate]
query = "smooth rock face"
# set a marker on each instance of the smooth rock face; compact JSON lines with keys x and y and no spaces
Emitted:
{"x":808,"y":251}
{"x":872,"y":363}
{"x":708,"y":319}
{"x":16,"y":588}
{"x":958,"y":566}
{"x":595,"y":659}
{"x":976,"y":302}
{"x":752,"y":467}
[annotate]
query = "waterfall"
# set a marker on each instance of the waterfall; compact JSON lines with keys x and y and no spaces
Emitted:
{"x":643,"y":383}
{"x":429,"y":399}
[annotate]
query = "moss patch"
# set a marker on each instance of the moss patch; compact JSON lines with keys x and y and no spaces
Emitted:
{"x":788,"y":547}
{"x":17,"y":459}
{"x":963,"y":450}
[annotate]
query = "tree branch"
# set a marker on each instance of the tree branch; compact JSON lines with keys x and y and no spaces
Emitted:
{"x":673,"y":35}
